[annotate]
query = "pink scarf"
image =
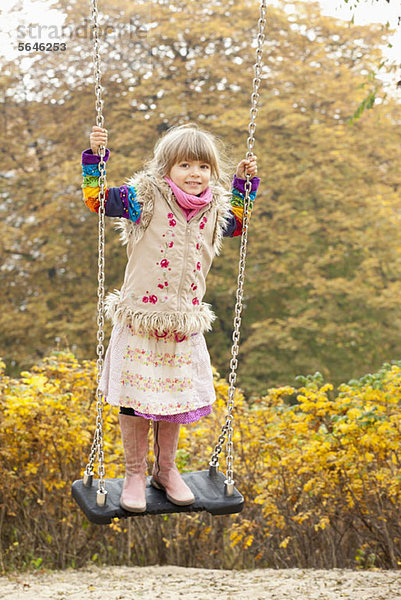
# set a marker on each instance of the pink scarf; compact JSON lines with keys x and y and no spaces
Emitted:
{"x":189,"y":203}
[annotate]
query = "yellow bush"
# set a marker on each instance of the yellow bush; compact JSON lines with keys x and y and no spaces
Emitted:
{"x":46,"y":429}
{"x":319,"y":471}
{"x":327,"y":469}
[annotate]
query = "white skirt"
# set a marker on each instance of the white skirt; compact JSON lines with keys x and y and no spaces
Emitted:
{"x":157,"y":375}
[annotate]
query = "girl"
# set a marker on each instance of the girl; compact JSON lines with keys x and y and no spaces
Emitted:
{"x":157,"y":368}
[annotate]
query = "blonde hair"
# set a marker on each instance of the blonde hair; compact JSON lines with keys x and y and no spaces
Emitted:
{"x":189,"y":142}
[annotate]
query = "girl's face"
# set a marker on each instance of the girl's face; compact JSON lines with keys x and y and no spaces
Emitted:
{"x":191,"y":176}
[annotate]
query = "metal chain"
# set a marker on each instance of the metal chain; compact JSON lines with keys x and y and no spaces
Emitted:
{"x":227,"y":429}
{"x":97,"y":445}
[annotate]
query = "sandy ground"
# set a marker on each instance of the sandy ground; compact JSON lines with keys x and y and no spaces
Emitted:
{"x":172,"y":583}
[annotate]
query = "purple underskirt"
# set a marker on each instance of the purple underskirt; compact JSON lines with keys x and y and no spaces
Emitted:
{"x":187,"y":417}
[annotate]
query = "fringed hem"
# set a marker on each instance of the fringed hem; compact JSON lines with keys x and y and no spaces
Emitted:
{"x":143,"y":321}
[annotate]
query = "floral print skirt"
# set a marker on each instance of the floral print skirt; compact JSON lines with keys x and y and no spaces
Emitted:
{"x":160,"y":377}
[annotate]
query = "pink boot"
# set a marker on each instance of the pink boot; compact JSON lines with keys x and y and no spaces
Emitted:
{"x":134,"y":431}
{"x":165,"y":475}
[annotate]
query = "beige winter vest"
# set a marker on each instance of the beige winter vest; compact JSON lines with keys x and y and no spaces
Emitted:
{"x":168,"y":261}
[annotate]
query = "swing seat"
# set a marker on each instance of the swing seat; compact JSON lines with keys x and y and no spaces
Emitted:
{"x":208,"y":491}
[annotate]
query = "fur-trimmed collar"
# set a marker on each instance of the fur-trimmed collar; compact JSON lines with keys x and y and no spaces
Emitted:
{"x":144,"y":182}
{"x":165,"y":189}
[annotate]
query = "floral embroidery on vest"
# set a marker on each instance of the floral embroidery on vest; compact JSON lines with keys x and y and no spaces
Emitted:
{"x":163,"y":263}
{"x":198,"y":266}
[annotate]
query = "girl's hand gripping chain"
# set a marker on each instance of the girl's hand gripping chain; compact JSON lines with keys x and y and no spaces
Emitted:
{"x":97,"y":138}
{"x":248,"y":165}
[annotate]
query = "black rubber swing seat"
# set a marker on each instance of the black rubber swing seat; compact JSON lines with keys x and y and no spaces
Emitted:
{"x":208,"y":490}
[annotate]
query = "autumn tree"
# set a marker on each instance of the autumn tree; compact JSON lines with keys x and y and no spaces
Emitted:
{"x":323,"y":272}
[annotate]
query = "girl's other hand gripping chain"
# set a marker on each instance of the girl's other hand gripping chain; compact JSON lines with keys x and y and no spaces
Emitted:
{"x":248,"y":165}
{"x":97,"y":138}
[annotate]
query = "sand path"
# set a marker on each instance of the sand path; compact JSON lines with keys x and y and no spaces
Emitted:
{"x":172,"y":583}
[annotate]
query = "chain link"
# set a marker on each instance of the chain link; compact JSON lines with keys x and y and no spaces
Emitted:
{"x":97,"y":445}
{"x":227,"y":429}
